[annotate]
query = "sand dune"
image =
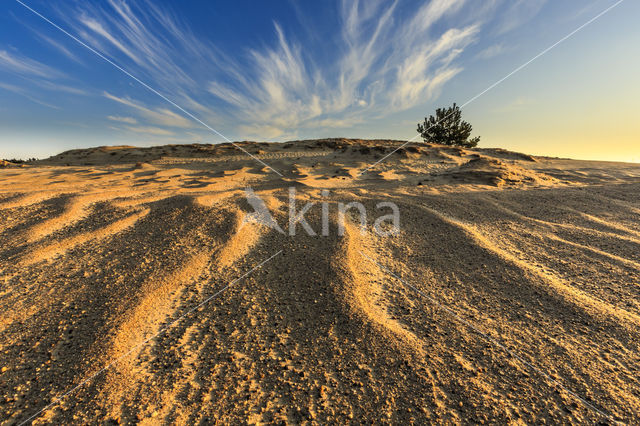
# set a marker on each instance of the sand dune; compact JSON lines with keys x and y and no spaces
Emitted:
{"x":510,"y":294}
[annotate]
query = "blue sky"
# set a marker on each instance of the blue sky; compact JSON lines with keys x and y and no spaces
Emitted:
{"x":283,"y":70}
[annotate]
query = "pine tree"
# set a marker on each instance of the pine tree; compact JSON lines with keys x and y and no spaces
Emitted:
{"x":447,"y":128}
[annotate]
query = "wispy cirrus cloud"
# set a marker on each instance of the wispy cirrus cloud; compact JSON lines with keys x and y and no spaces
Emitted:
{"x":60,"y":47}
{"x":384,"y":63}
{"x":516,"y":12}
{"x":492,"y":51}
{"x":384,"y":60}
{"x":97,"y":27}
{"x":129,"y":120}
{"x":34,"y":77}
{"x":161,"y":116}
{"x":23,"y":92}
{"x":150,"y":130}
{"x":58,"y":87}
{"x":23,"y":65}
{"x":383,"y":68}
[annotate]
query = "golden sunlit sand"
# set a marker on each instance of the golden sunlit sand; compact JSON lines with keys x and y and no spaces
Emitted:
{"x":525,"y":306}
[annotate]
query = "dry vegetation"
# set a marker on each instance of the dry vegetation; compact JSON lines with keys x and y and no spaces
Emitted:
{"x":101,"y":248}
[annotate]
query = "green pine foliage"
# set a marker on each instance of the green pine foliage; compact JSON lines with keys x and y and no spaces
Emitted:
{"x":447,"y":128}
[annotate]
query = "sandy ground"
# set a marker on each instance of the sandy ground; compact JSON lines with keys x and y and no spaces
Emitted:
{"x":511,"y":293}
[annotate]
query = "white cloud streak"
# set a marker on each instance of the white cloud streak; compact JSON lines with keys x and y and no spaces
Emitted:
{"x":60,"y":47}
{"x":517,"y":12}
{"x":128,"y":120}
{"x":23,"y":92}
{"x":492,"y":51}
{"x":37,"y":75}
{"x":25,"y":66}
{"x":150,"y":130}
{"x":384,"y":61}
{"x":160,"y":116}
{"x":383,"y":68}
{"x":57,"y":87}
